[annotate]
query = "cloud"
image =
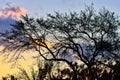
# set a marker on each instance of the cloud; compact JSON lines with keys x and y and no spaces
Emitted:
{"x":9,"y":14}
{"x":12,"y":11}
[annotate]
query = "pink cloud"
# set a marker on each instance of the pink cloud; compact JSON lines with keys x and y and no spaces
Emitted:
{"x":11,"y":11}
{"x":9,"y":14}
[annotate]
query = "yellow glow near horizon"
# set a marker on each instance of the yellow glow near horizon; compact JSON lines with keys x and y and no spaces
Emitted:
{"x":6,"y":67}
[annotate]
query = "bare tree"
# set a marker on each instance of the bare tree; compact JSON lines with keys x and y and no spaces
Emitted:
{"x":88,"y":36}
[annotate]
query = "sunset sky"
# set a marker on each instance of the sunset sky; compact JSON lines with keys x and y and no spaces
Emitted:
{"x":11,"y":10}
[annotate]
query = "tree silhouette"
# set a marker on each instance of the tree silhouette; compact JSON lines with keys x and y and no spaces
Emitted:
{"x":43,"y":72}
{"x":90,"y":37}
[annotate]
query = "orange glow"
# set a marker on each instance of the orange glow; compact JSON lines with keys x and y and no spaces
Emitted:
{"x":39,"y":42}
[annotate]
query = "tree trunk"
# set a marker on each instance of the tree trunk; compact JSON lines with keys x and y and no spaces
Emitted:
{"x":74,"y":75}
{"x":91,"y":74}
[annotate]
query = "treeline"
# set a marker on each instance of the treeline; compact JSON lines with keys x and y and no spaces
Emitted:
{"x":46,"y":72}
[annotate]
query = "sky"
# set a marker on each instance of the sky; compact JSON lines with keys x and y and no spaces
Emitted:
{"x":11,"y":10}
{"x":42,"y":7}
